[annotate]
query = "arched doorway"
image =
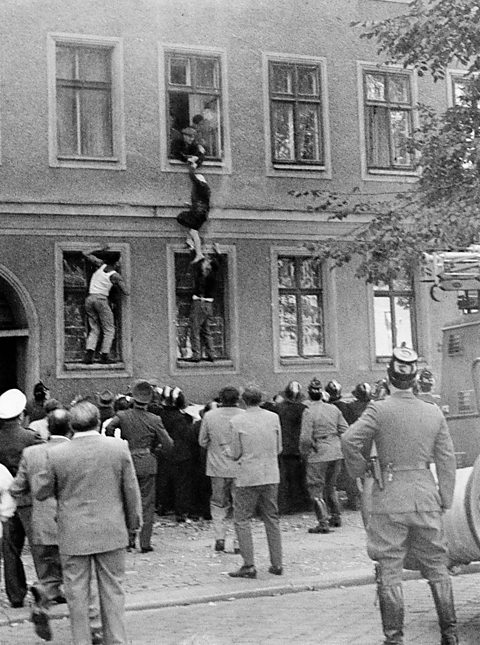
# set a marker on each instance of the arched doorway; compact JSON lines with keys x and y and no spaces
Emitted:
{"x":19,"y":335}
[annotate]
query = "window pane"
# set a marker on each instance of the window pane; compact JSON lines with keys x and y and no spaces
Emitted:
{"x":283,"y":132}
{"x":96,"y":129}
{"x":307,"y":81}
{"x":312,"y":326}
{"x":67,"y":121}
{"x":383,"y":326}
{"x":206,"y":73}
{"x":286,"y":272}
{"x":179,"y":71}
{"x":403,"y":321}
{"x":282,"y":79}
{"x":310,"y":274}
{"x":288,"y":325}
{"x":65,"y":62}
{"x":398,"y":88}
{"x":375,"y":84}
{"x":378,"y":137}
{"x":94,"y":64}
{"x":400,"y":124}
{"x":458,"y":91}
{"x":309,"y":132}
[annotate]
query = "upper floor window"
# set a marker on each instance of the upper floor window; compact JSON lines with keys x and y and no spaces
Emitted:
{"x":388,"y":110}
{"x":86,"y":114}
{"x":300,"y":307}
{"x":394,"y":317}
{"x":194,"y":98}
{"x":296,"y":113}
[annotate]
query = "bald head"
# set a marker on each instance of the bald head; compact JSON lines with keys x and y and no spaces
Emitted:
{"x":59,"y":422}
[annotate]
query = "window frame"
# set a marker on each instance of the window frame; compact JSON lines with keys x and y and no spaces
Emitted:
{"x":118,"y":160}
{"x":414,"y":317}
{"x":297,"y":168}
{"x":329,"y":301}
{"x":100,"y":370}
{"x":223,"y":366}
{"x":384,"y":174}
{"x":222,"y":166}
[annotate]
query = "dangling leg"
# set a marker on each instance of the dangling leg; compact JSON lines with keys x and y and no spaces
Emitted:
{"x":197,"y":245}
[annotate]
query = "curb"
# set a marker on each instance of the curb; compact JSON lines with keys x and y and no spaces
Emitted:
{"x":352,"y":580}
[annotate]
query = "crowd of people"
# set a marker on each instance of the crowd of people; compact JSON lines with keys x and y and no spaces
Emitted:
{"x":80,"y":503}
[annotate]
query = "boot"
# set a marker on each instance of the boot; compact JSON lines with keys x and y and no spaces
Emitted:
{"x":335,"y":518}
{"x":392,"y":612}
{"x":323,"y":516}
{"x":442,"y":593}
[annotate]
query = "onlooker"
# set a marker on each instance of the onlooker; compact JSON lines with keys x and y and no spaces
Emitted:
{"x":201,"y":484}
{"x":334,"y":390}
{"x":186,"y":148}
{"x":98,"y":506}
{"x":41,"y":425}
{"x":256,"y":444}
{"x":35,"y":409}
{"x":291,"y":493}
{"x":322,"y":426}
{"x":215,"y":434}
{"x":424,"y":385}
{"x":13,"y":439}
{"x":122,"y":402}
{"x":145,"y":434}
{"x":105,"y":405}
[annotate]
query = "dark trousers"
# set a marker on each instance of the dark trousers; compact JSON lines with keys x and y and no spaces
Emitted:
{"x":322,"y":483}
{"x":147,"y":492}
{"x":201,"y":315}
{"x":182,"y":482}
{"x":49,"y":569}
{"x":292,"y":496}
{"x":15,"y":530}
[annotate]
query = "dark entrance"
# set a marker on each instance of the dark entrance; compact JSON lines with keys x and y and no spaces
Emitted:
{"x":8,"y":363}
{"x":13,"y":339}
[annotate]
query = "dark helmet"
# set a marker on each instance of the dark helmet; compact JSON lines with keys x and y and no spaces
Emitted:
{"x":293,"y":391}
{"x":425,"y":379}
{"x":334,"y":390}
{"x":315,"y":386}
{"x":362,"y":391}
{"x":402,"y":369}
{"x":177,"y":398}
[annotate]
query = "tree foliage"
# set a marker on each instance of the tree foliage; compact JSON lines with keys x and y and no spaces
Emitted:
{"x":442,"y":209}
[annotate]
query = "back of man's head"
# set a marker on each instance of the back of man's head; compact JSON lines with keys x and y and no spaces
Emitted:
{"x":252,"y":396}
{"x":229,"y":396}
{"x":84,"y":416}
{"x":59,"y":422}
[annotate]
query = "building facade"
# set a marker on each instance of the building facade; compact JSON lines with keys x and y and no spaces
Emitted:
{"x":284,"y":97}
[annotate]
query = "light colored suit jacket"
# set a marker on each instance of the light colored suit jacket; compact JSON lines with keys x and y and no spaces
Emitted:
{"x":33,"y":462}
{"x":98,"y":498}
{"x":215,"y":434}
{"x":409,"y":434}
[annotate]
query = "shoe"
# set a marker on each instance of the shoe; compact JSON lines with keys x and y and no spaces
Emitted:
{"x":16,"y":605}
{"x":319,"y":529}
{"x":131,"y":545}
{"x":244,"y":572}
{"x":60,"y":600}
{"x":236,"y":550}
{"x":146,"y":549}
{"x":192,"y":359}
{"x":335,"y":521}
{"x":181,"y":518}
{"x":88,"y":359}
{"x":277,"y":571}
{"x":105,"y":359}
{"x":219,"y":545}
{"x":41,"y":623}
{"x":97,"y":637}
{"x":210,"y":359}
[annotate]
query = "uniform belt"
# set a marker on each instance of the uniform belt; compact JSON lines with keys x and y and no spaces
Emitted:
{"x":422,"y":465}
{"x":140,"y":451}
{"x":202,"y":298}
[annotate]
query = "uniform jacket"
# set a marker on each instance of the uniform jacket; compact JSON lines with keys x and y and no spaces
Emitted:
{"x":98,"y":498}
{"x":215,"y":434}
{"x":13,"y":439}
{"x":256,"y":444}
{"x":322,"y":425}
{"x":33,"y":462}
{"x":409,"y":434}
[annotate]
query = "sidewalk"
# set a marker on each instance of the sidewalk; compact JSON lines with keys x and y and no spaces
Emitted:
{"x":184,"y":569}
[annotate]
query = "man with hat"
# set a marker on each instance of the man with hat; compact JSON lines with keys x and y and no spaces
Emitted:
{"x":13,"y":439}
{"x":187,"y":149}
{"x":97,"y":307}
{"x":145,"y":435}
{"x":406,"y":504}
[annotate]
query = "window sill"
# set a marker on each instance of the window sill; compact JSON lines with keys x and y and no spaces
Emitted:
{"x":390,"y":175}
{"x":93,"y":163}
{"x":297,"y":170}
{"x":82,"y":370}
{"x":313,"y":363}
{"x":208,"y":167}
{"x":185,"y":364}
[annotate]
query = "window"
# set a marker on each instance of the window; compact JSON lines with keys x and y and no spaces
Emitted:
{"x":394,"y":317}
{"x":300,"y":307}
{"x":388,"y":112}
{"x":194,"y":98}
{"x":220,"y":328}
{"x":295,"y":100}
{"x":86,"y":126}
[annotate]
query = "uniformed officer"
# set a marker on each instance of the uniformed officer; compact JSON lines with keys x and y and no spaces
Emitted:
{"x":405,"y":517}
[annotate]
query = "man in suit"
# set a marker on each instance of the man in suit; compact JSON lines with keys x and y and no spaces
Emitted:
{"x":44,"y":529}
{"x":13,"y":439}
{"x":98,"y":503}
{"x":406,"y":506}
{"x":256,"y":444}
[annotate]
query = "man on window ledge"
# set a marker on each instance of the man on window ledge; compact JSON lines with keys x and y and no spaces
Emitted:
{"x":205,"y":277}
{"x":97,"y":307}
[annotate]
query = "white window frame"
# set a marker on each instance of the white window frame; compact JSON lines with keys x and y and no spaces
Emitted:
{"x":209,"y":166}
{"x":97,"y":370}
{"x":118,"y":160}
{"x":297,"y":170}
{"x":229,"y":366}
{"x":315,"y":363}
{"x":379,"y":174}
